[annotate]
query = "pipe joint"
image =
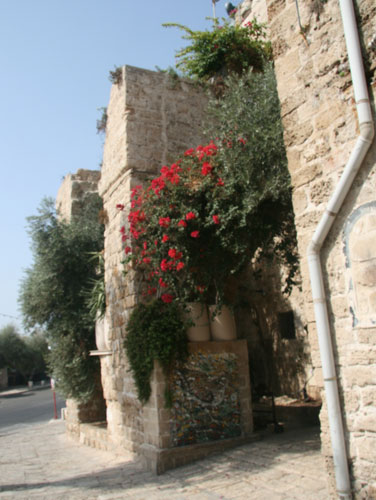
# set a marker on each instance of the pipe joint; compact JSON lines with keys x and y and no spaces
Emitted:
{"x":367,"y":131}
{"x":313,"y":248}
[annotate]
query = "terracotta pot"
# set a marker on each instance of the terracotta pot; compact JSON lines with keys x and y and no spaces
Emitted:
{"x":222,"y":325}
{"x":198,"y":313}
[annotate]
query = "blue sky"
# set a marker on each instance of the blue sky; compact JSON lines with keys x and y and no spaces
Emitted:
{"x":55,"y":59}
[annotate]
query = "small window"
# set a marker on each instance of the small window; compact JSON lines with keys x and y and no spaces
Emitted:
{"x":286,"y":325}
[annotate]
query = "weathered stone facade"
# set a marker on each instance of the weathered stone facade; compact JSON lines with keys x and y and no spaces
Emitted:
{"x":74,"y":190}
{"x":320,"y":130}
{"x":151,"y":119}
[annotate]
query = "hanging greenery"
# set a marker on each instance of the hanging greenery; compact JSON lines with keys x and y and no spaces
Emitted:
{"x":155,"y":332}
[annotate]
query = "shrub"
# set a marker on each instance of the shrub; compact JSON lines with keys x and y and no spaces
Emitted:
{"x":53,"y":293}
{"x":225,"y":49}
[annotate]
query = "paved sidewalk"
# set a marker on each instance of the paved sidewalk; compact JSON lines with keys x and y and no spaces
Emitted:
{"x":41,"y":462}
{"x":20,"y":389}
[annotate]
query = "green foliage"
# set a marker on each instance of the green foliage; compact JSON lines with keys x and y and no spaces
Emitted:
{"x":26,"y":355}
{"x":155,"y":332}
{"x":38,"y":346}
{"x":13,"y":350}
{"x":53,"y":293}
{"x":223,"y":50}
{"x":102,"y":122}
{"x":96,"y":293}
{"x":256,"y":175}
{"x":219,"y":207}
{"x":116,"y":76}
{"x":206,"y":216}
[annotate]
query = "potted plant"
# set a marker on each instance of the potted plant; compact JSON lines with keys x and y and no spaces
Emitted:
{"x":191,"y":229}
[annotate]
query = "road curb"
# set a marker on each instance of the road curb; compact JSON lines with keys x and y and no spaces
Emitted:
{"x":22,"y":390}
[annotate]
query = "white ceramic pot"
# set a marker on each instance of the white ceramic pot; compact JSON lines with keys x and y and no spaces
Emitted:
{"x":222,"y":325}
{"x":198,"y":314}
{"x":102,"y":334}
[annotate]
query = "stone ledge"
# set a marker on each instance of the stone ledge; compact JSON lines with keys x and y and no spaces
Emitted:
{"x":94,"y":435}
{"x":159,"y":460}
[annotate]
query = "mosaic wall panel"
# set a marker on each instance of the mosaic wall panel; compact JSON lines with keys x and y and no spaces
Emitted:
{"x":205,"y":399}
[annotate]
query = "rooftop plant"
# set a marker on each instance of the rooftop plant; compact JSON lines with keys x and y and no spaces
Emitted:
{"x":225,"y":49}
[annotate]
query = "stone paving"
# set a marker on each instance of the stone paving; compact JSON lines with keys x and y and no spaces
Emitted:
{"x":41,"y":462}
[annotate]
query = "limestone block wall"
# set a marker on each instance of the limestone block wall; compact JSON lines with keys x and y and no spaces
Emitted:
{"x":215,"y":377}
{"x":280,"y":360}
{"x":151,"y":120}
{"x":320,"y":130}
{"x":74,"y":189}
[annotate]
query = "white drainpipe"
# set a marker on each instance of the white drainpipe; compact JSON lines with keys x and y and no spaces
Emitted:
{"x":317,"y":284}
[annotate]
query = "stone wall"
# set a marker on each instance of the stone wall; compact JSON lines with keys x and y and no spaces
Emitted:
{"x":152,"y":118}
{"x":73,"y":191}
{"x":275,"y":327}
{"x":320,"y":130}
{"x":199,"y":422}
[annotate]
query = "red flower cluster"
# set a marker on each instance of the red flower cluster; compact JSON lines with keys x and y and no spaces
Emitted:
{"x":160,"y":213}
{"x":167,"y":297}
{"x":206,"y":168}
{"x":164,"y":221}
{"x":172,"y":173}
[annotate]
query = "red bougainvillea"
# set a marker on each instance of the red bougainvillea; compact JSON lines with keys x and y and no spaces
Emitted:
{"x":185,"y":231}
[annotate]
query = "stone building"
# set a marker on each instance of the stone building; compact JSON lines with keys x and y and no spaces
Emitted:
{"x":151,"y":119}
{"x":74,"y":191}
{"x":327,"y":125}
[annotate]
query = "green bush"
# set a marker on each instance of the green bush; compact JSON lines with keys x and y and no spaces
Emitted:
{"x":53,"y":293}
{"x":225,"y":49}
{"x":25,"y":354}
{"x":256,"y":174}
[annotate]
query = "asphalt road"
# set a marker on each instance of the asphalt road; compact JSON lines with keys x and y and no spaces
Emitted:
{"x":28,"y":407}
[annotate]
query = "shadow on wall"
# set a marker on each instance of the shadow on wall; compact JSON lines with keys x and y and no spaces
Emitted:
{"x":271,"y":323}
